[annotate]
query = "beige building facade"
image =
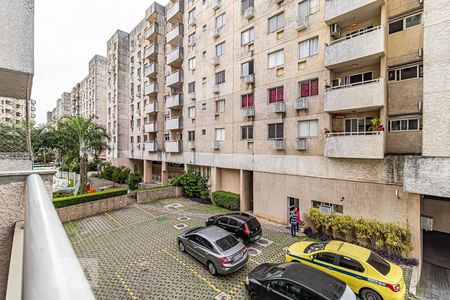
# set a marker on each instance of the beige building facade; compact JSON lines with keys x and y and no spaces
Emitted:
{"x":13,"y":111}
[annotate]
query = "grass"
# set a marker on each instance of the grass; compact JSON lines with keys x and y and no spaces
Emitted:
{"x":211,"y":209}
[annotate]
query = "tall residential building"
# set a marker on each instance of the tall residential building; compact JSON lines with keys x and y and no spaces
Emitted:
{"x":63,"y":107}
{"x":13,"y":111}
{"x":75,"y":100}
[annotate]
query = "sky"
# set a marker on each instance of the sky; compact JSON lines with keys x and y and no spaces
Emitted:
{"x":68,"y":33}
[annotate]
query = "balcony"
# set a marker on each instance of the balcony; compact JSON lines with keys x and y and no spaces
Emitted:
{"x":361,"y":48}
{"x":175,"y":80}
{"x":151,"y":33}
{"x":152,"y":51}
{"x":152,"y":12}
{"x":151,"y":108}
{"x":363,"y":145}
{"x":151,"y":127}
{"x":175,"y":35}
{"x":216,"y":4}
{"x":216,"y":145}
{"x":346,"y":11}
{"x":249,"y":12}
{"x":174,"y":123}
{"x":174,"y":13}
{"x":363,"y":96}
{"x":151,"y":89}
{"x":215,"y":61}
{"x":216,"y":32}
{"x":175,"y":57}
{"x":151,"y":70}
{"x":248,"y":112}
{"x":279,"y":144}
{"x":151,"y":146}
{"x":174,"y":101}
{"x":192,"y":21}
{"x":173,"y":146}
{"x":278,"y":107}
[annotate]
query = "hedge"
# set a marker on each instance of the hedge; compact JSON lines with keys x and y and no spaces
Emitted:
{"x":79,"y":199}
{"x":62,"y":193}
{"x":227,"y":200}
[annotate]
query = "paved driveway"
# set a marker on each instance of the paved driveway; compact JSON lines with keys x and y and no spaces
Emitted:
{"x":132,"y":253}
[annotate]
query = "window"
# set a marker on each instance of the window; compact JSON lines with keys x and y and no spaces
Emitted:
{"x":276,"y":94}
{"x":379,"y":263}
{"x":247,"y":36}
{"x":204,"y":54}
{"x":309,"y":87}
{"x":191,"y":87}
{"x":220,"y":106}
{"x":220,"y":49}
{"x":220,"y":134}
{"x":220,"y":77}
{"x":308,"y":48}
{"x":191,"y":136}
{"x":329,"y":258}
{"x":191,"y":112}
{"x":402,"y":23}
{"x":405,"y":72}
{"x":358,"y":78}
{"x":227,"y":242}
{"x":357,"y":125}
{"x":233,"y":222}
{"x":247,"y":68}
{"x":307,"y":8}
{"x":276,"y":22}
{"x":308,"y":129}
{"x":404,"y":123}
{"x":203,"y":131}
{"x":288,"y":289}
{"x":315,"y":247}
{"x":246,"y":4}
{"x":275,"y":131}
{"x":191,"y":39}
{"x":335,"y":207}
{"x":247,"y":133}
{"x":220,"y":21}
{"x":348,"y":263}
{"x":191,"y":15}
{"x":275,"y":59}
{"x":247,"y":100}
{"x":191,"y":63}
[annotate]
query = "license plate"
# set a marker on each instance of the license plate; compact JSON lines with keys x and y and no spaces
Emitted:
{"x":256,"y":237}
{"x":238,"y":257}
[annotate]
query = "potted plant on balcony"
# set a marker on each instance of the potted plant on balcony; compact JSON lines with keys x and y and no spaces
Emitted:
{"x":376,"y":125}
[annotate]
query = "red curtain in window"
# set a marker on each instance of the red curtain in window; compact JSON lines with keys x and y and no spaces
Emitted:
{"x":304,"y":88}
{"x":314,"y":87}
{"x":244,"y":101}
{"x":280,"y":94}
{"x":272,"y":95}
{"x":250,"y":100}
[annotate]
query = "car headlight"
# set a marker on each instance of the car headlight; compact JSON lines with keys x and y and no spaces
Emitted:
{"x":247,"y":281}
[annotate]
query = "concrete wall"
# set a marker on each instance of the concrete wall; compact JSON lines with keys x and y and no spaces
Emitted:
{"x":355,"y":146}
{"x":404,"y":96}
{"x":229,"y":180}
{"x":439,"y":210}
{"x":404,"y":142}
{"x":15,"y":162}
{"x":157,"y":194}
{"x":93,"y":208}
{"x":366,"y":200}
{"x":12,"y":210}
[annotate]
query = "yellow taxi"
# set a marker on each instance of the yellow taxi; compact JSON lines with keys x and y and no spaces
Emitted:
{"x":364,"y":271}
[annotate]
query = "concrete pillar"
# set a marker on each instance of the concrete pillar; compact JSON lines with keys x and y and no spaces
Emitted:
{"x":164,"y":173}
{"x":148,"y":171}
{"x":245,"y":190}
{"x":215,"y":179}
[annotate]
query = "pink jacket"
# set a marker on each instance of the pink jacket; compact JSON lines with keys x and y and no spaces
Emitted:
{"x":298,"y":214}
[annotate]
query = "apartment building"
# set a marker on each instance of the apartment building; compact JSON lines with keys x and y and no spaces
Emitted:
{"x":63,"y":107}
{"x":13,"y":111}
{"x":75,"y":100}
{"x":312,"y":103}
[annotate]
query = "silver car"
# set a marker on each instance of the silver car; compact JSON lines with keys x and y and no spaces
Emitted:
{"x":215,"y":247}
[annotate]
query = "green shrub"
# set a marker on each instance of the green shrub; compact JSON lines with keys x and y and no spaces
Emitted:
{"x":388,"y":237}
{"x":194,"y":185}
{"x":226,"y":200}
{"x":133,"y":180}
{"x":73,"y":200}
{"x":62,"y":193}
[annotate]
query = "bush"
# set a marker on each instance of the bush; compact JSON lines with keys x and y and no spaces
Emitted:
{"x":133,"y":180}
{"x":74,"y":166}
{"x":388,"y":237}
{"x":116,"y":174}
{"x":62,"y":193}
{"x":194,"y":185}
{"x":79,"y":199}
{"x":226,"y":200}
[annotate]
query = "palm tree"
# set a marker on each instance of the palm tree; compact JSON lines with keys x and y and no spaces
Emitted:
{"x":80,"y":138}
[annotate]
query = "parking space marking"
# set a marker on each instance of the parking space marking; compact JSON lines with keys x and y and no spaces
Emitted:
{"x":113,"y":219}
{"x":192,"y":271}
{"x":126,"y":287}
{"x":145,"y":211}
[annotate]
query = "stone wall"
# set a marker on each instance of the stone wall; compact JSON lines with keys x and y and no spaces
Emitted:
{"x":93,"y":208}
{"x":157,"y":194}
{"x":15,"y":161}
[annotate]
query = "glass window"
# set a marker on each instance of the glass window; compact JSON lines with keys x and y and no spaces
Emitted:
{"x":191,"y":87}
{"x":405,"y":22}
{"x":191,"y":39}
{"x":247,"y":100}
{"x":276,"y":22}
{"x":309,"y":87}
{"x":378,"y":263}
{"x":220,"y":49}
{"x":276,"y":94}
{"x":220,"y":21}
{"x":396,"y":26}
{"x":191,"y":63}
{"x":308,"y":128}
{"x":191,"y":112}
{"x":413,"y":20}
{"x":275,"y":131}
{"x":227,"y":242}
{"x":220,"y":134}
{"x":220,"y":77}
{"x":348,"y":263}
{"x":233,"y":222}
{"x":326,"y":257}
{"x":220,"y":106}
{"x":247,"y":36}
{"x":315,"y":247}
{"x":247,"y":68}
{"x":191,"y":136}
{"x":275,"y":59}
{"x":405,"y":72}
{"x":246,"y":4}
{"x":404,"y":123}
{"x":247,"y":133}
{"x":191,"y":15}
{"x":408,"y":73}
{"x":288,"y":289}
{"x":309,"y":47}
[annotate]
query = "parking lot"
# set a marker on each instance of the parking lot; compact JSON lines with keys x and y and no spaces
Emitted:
{"x":132,"y":253}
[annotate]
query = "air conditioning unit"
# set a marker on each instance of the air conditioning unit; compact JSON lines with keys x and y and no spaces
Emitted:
{"x":279,"y":145}
{"x":420,"y":52}
{"x":215,"y":60}
{"x":248,"y":112}
{"x":250,"y":78}
{"x":326,"y":209}
{"x":301,"y":144}
{"x":216,"y":32}
{"x":216,"y":89}
{"x":335,"y":30}
{"x":335,"y":82}
{"x":216,"y":145}
{"x":191,"y":145}
{"x":192,"y":96}
{"x":278,"y":107}
{"x":301,"y":103}
{"x":216,"y":4}
{"x":249,"y":12}
{"x":302,"y":23}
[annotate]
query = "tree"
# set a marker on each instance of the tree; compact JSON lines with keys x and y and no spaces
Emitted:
{"x":79,"y":138}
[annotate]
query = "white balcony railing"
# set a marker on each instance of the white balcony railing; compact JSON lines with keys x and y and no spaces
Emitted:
{"x":366,"y":144}
{"x":151,"y":146}
{"x":151,"y":88}
{"x":152,"y":31}
{"x":175,"y":123}
{"x":174,"y":79}
{"x":151,"y":70}
{"x":151,"y":108}
{"x":150,"y":52}
{"x":175,"y":35}
{"x":151,"y":127}
{"x":174,"y":10}
{"x":173,"y":146}
{"x":174,"y":101}
{"x":175,"y":57}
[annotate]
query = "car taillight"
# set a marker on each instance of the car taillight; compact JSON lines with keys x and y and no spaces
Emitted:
{"x":245,"y":249}
{"x":224,"y":260}
{"x":246,"y":229}
{"x":394,"y":287}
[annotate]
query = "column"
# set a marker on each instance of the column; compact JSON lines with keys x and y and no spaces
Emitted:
{"x":164,"y":173}
{"x":148,"y":171}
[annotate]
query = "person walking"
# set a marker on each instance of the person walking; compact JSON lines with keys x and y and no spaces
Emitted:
{"x":294,"y":224}
{"x":297,"y":212}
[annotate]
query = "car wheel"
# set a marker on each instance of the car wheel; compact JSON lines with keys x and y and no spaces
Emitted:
{"x":181,"y":246}
{"x":368,"y":294}
{"x":212,"y":268}
{"x":254,"y":296}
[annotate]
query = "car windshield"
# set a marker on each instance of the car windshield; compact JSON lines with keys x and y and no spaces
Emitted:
{"x":315,"y":247}
{"x":274,"y":272}
{"x":378,"y":263}
{"x":252,"y":223}
{"x":227,"y":242}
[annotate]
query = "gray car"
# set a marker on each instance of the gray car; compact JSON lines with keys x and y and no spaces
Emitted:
{"x":215,"y":247}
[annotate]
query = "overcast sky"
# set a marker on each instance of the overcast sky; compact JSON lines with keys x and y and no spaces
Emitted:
{"x":68,"y":33}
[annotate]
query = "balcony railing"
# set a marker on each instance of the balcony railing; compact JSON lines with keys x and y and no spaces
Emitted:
{"x":152,"y":51}
{"x":151,"y":146}
{"x":173,"y":146}
{"x":51,"y":270}
{"x":175,"y":57}
{"x":151,"y":108}
{"x":151,"y":89}
{"x":175,"y":35}
{"x":175,"y":123}
{"x":152,"y":32}
{"x":174,"y":101}
{"x":151,"y":127}
{"x":175,"y":11}
{"x":175,"y":79}
{"x":151,"y":70}
{"x":366,"y":144}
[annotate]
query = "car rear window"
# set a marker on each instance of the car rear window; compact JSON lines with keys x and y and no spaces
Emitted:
{"x":274,"y":272}
{"x":378,"y":263}
{"x":315,"y":247}
{"x":227,"y":242}
{"x":252,"y":223}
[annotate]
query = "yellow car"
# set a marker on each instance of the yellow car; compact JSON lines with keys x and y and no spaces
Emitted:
{"x":365,"y":272}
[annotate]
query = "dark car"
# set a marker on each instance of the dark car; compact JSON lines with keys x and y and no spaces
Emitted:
{"x":244,"y":226}
{"x":295,"y":281}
